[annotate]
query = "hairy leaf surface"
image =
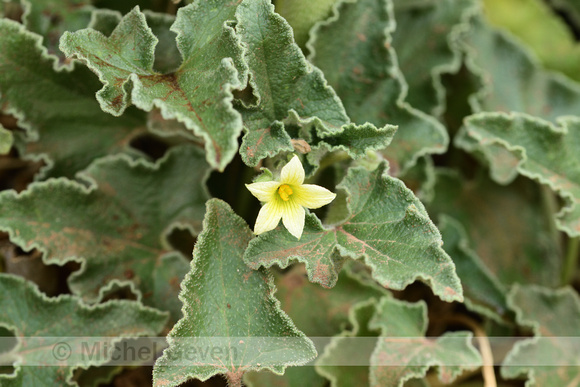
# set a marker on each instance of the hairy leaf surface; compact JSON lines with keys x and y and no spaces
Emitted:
{"x":525,"y":244}
{"x":298,"y":296}
{"x":342,"y":350}
{"x":51,"y":18}
{"x":28,"y":313}
{"x":424,"y":52}
{"x":518,"y":144}
{"x":400,"y":354}
{"x":549,"y":358}
{"x":116,"y":228}
{"x":387,"y":226}
{"x":167,"y":56}
{"x":294,"y":99}
{"x":511,"y":78}
{"x":198,"y":94}
{"x":64,"y":123}
{"x":484,"y":293}
{"x":227,"y":303}
{"x":403,"y":326}
{"x":353,"y":50}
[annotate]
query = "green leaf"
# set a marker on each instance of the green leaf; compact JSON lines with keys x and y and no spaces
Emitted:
{"x":167,"y":59}
{"x":484,"y":294}
{"x":172,"y":130}
{"x":518,"y":144}
{"x":356,"y":140}
{"x":297,"y":294}
{"x":167,"y":56}
{"x":343,"y":349}
{"x":351,"y":48}
{"x":28,"y":313}
{"x":550,"y":38}
{"x":421,"y":178}
{"x":302,"y":15}
{"x":64,"y":123}
{"x":117,"y":227}
{"x":525,"y":245}
{"x":228,"y":303}
{"x":424,"y":52}
{"x":198,"y":94}
{"x":403,"y":326}
{"x":51,"y":18}
{"x":294,"y":99}
{"x":511,"y":78}
{"x":400,"y":353}
{"x":547,"y":359}
{"x":105,"y":21}
{"x":6,"y":140}
{"x":388,"y":227}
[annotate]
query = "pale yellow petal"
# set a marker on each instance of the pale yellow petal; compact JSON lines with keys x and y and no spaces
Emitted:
{"x":312,"y":196}
{"x":268,"y":217}
{"x":293,"y":218}
{"x":264,"y":191}
{"x":292,"y":173}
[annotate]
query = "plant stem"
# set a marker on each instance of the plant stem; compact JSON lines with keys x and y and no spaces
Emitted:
{"x":234,"y":379}
{"x":487,"y":370}
{"x":571,"y":261}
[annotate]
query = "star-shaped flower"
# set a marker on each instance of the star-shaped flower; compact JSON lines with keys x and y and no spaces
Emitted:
{"x":287,"y":198}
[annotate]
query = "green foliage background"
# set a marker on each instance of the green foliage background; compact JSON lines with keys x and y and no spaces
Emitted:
{"x":449,"y":129}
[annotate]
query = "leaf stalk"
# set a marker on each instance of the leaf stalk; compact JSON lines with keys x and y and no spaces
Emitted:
{"x":570,"y":261}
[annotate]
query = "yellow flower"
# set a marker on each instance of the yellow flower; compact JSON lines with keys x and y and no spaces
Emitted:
{"x":286,"y":199}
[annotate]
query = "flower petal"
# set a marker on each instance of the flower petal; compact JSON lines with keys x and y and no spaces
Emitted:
{"x":313,"y":196}
{"x":293,"y":218}
{"x":264,"y":191}
{"x":292,"y":173}
{"x":268,"y":217}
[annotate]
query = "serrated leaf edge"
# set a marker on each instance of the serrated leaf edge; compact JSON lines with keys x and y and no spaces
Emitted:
{"x":30,"y":134}
{"x":521,"y":154}
{"x":475,"y":99}
{"x":133,"y":90}
{"x":210,"y":205}
{"x":82,"y":306}
{"x":465,"y":247}
{"x":393,"y":70}
{"x":520,"y":346}
{"x":335,"y":340}
{"x":87,"y":189}
{"x":467,"y":335}
{"x":416,"y":209}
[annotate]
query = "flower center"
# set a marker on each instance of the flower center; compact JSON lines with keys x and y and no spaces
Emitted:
{"x":285,"y":191}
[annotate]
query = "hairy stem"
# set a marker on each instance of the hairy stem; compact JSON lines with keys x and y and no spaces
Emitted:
{"x":234,"y":379}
